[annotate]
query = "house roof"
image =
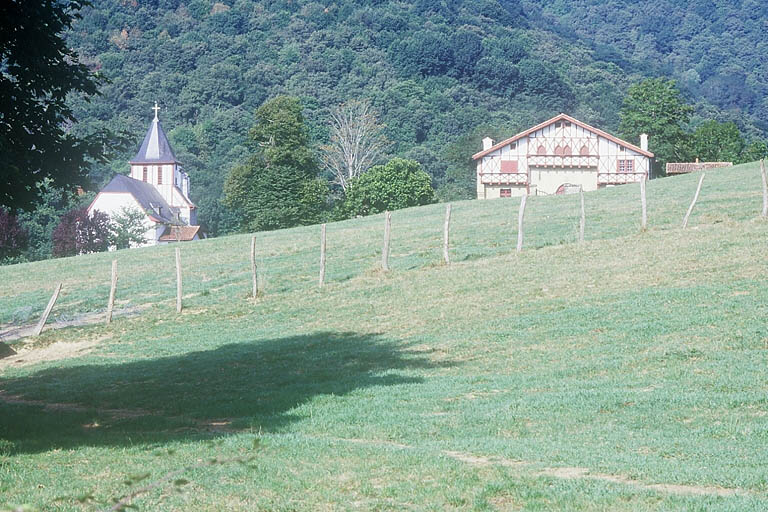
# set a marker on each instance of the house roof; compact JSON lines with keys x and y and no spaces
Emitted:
{"x":180,"y":233}
{"x":561,"y":117}
{"x":147,"y":196}
{"x":155,"y":148}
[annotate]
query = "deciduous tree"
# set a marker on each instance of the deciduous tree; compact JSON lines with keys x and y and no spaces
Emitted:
{"x":274,"y":189}
{"x":80,"y":233}
{"x":37,"y":73}
{"x":13,"y":237}
{"x":655,"y":107}
{"x":128,"y":228}
{"x":398,"y":184}
{"x":357,"y":141}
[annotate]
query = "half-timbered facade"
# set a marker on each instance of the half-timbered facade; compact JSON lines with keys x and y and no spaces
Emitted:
{"x":558,"y":156}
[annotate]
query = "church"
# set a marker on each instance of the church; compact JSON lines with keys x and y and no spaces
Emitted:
{"x":158,"y":187}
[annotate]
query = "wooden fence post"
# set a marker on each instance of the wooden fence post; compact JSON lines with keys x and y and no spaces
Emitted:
{"x":322,"y":255}
{"x":643,"y":208}
{"x":520,"y":224}
{"x":112,"y":289}
{"x":254,"y":270}
{"x":583,"y":219}
{"x":693,"y":203}
{"x":765,"y":188}
{"x":446,"y":234}
{"x":387,"y":234}
{"x":48,"y":308}
{"x":178,"y":280}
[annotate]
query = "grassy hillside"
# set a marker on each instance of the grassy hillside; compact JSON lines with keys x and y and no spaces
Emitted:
{"x":625,"y":373}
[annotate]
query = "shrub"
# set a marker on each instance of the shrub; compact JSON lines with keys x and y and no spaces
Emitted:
{"x":398,"y":184}
{"x":13,"y":237}
{"x":80,"y":233}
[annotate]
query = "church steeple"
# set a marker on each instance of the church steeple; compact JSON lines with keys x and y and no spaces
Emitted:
{"x":155,"y":148}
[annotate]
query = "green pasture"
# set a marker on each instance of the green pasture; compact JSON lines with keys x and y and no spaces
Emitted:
{"x":624,"y":373}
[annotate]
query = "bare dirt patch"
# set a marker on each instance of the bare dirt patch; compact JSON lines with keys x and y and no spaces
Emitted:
{"x":10,"y":332}
{"x":570,"y":473}
{"x":54,"y":352}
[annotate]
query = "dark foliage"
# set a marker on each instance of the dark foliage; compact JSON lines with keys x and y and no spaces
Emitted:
{"x":80,"y":233}
{"x":13,"y":237}
{"x":38,"y":141}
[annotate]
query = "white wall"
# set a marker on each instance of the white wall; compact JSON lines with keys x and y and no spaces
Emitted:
{"x":113,"y":202}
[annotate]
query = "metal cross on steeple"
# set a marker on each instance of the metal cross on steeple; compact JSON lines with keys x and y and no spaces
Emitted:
{"x":156,"y":109}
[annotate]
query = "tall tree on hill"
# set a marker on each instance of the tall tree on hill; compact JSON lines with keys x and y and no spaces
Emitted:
{"x":655,"y":107}
{"x":278,"y":186}
{"x":37,"y":74}
{"x":357,"y":141}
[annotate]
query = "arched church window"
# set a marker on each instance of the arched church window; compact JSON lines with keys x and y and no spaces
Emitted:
{"x":144,"y":174}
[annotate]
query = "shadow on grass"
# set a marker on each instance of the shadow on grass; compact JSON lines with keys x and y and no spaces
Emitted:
{"x":196,"y":395}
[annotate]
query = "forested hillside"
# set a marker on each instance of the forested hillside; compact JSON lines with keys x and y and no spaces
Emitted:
{"x":440,"y":74}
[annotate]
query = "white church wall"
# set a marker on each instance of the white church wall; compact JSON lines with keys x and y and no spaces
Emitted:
{"x":112,"y":203}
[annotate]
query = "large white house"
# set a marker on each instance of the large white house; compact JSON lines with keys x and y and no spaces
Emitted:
{"x":557,"y":156}
{"x":158,"y":187}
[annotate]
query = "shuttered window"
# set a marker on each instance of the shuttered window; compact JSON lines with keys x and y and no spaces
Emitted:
{"x":505,"y":192}
{"x":626,"y":166}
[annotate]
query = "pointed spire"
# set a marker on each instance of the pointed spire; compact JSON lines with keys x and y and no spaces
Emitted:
{"x":155,"y":148}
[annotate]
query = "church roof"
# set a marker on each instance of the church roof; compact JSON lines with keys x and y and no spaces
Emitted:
{"x":146,"y":195}
{"x":180,"y":233}
{"x":155,"y":148}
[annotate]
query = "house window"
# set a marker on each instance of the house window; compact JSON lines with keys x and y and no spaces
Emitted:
{"x":541,"y":151}
{"x":558,"y":124}
{"x":626,"y":166}
{"x":567,"y":124}
{"x":584,"y":150}
{"x":505,"y":192}
{"x":513,"y":145}
{"x":144,"y":174}
{"x":160,"y":175}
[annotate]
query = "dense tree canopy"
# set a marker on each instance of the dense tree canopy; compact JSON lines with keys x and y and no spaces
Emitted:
{"x":398,"y":184}
{"x":277,"y":187}
{"x":38,"y":145}
{"x":655,"y":107}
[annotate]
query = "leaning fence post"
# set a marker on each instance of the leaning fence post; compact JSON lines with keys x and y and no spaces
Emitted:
{"x":178,"y":280}
{"x":765,"y":188}
{"x":112,"y":289}
{"x":643,"y":208}
{"x":520,"y":224}
{"x":48,"y":308}
{"x":446,"y":233}
{"x":322,"y":255}
{"x":693,"y":203}
{"x":387,"y":234}
{"x":254,"y":273}
{"x":583,"y":219}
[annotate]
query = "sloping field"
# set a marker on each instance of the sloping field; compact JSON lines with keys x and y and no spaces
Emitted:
{"x":625,"y":373}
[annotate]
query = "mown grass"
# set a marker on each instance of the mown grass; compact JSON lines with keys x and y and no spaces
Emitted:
{"x":634,"y":355}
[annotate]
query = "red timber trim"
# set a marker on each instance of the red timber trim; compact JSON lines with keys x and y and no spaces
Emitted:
{"x":560,"y":118}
